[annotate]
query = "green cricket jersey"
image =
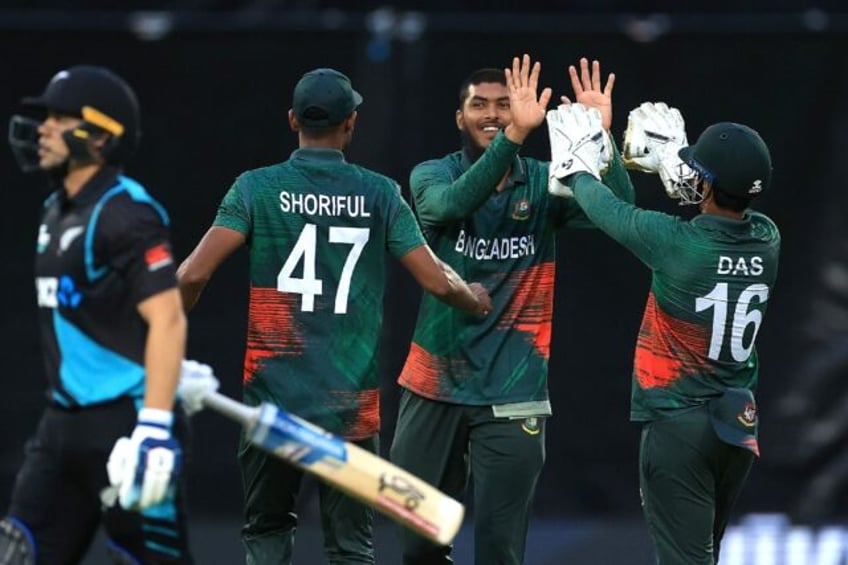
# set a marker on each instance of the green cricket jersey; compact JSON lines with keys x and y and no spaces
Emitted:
{"x":506,"y":241}
{"x":712,"y":278}
{"x":318,"y":229}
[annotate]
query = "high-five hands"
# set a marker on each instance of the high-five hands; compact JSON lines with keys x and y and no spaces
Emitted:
{"x":577,"y":145}
{"x":588,"y":91}
{"x":526,"y":105}
{"x":655,"y":133}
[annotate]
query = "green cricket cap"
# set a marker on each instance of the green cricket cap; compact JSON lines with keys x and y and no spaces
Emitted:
{"x":324,"y":98}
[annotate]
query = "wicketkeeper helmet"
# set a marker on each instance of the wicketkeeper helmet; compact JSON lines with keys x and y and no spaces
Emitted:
{"x":732,"y":157}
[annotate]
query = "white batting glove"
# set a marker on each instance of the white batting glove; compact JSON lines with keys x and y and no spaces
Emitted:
{"x":578,"y":143}
{"x":143,"y":467}
{"x":655,"y":133}
{"x":196,"y":381}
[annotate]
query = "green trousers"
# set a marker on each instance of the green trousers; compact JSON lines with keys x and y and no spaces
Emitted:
{"x":444,"y":444}
{"x":689,"y":480}
{"x":271,"y":487}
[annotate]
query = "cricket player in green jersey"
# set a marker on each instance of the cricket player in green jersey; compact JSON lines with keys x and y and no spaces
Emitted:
{"x":318,"y":229}
{"x":475,"y":392}
{"x":696,"y":365}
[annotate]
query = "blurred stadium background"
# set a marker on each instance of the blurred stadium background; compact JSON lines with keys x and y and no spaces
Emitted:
{"x":215,"y":77}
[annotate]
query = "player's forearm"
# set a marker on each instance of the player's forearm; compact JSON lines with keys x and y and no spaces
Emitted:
{"x":638,"y":230}
{"x":190,"y":292}
{"x":617,"y":178}
{"x":192,"y":280}
{"x":164,"y":351}
{"x":441,"y":202}
{"x":197,"y":269}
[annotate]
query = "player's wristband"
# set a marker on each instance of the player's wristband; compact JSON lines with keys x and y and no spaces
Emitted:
{"x":156,"y":417}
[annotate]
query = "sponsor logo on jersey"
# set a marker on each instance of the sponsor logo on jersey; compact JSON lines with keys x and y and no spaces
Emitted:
{"x":43,"y":239}
{"x":68,"y":295}
{"x":158,"y":257}
{"x":521,"y":210}
{"x":531,"y":426}
{"x":68,"y":237}
{"x":748,"y":416}
{"x":45,"y":291}
{"x":499,"y":248}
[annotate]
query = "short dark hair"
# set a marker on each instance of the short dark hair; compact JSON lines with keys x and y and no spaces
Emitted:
{"x":478,"y":77}
{"x":729,"y":201}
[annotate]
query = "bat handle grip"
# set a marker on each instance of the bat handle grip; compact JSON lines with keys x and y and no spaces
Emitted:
{"x":245,"y":415}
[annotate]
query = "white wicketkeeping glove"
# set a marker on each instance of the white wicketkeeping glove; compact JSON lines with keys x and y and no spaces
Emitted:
{"x":578,"y":143}
{"x":143,"y":467}
{"x":655,"y":133}
{"x":196,"y":381}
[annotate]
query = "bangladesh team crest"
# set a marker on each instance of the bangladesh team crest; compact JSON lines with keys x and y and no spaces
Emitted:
{"x":531,"y":426}
{"x":521,"y":210}
{"x":748,"y":416}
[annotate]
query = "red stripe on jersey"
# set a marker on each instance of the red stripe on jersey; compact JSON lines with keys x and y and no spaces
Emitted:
{"x":423,"y":372}
{"x":367,"y":416}
{"x":531,"y":308}
{"x":667,"y":347}
{"x":271,"y":328}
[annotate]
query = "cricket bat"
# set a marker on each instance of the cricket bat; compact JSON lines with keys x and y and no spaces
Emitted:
{"x":398,"y":494}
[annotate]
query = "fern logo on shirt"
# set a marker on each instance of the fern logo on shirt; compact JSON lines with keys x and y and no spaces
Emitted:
{"x":43,"y":238}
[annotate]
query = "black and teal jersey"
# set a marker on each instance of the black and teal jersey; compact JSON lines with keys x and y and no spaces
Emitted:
{"x":318,"y":229}
{"x":712,"y":279}
{"x":98,"y":255}
{"x":504,"y":239}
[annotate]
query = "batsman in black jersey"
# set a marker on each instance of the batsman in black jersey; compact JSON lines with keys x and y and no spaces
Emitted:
{"x":113,"y":336}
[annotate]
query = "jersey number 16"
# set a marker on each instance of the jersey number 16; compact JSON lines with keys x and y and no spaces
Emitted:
{"x":743,"y":316}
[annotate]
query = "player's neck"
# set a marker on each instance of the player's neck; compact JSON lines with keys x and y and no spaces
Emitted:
{"x":321,"y":144}
{"x":336,"y":141}
{"x":77,"y":176}
{"x":709,"y":207}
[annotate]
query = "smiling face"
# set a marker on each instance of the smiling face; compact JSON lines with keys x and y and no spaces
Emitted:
{"x":484,"y":112}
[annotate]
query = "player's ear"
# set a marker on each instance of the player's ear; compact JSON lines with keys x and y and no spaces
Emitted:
{"x":460,"y":120}
{"x":350,"y":122}
{"x":293,"y":123}
{"x":95,"y":143}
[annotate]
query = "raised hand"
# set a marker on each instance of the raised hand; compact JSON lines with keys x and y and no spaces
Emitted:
{"x":654,"y":136}
{"x":587,"y":89}
{"x":526,"y":105}
{"x":577,"y":145}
